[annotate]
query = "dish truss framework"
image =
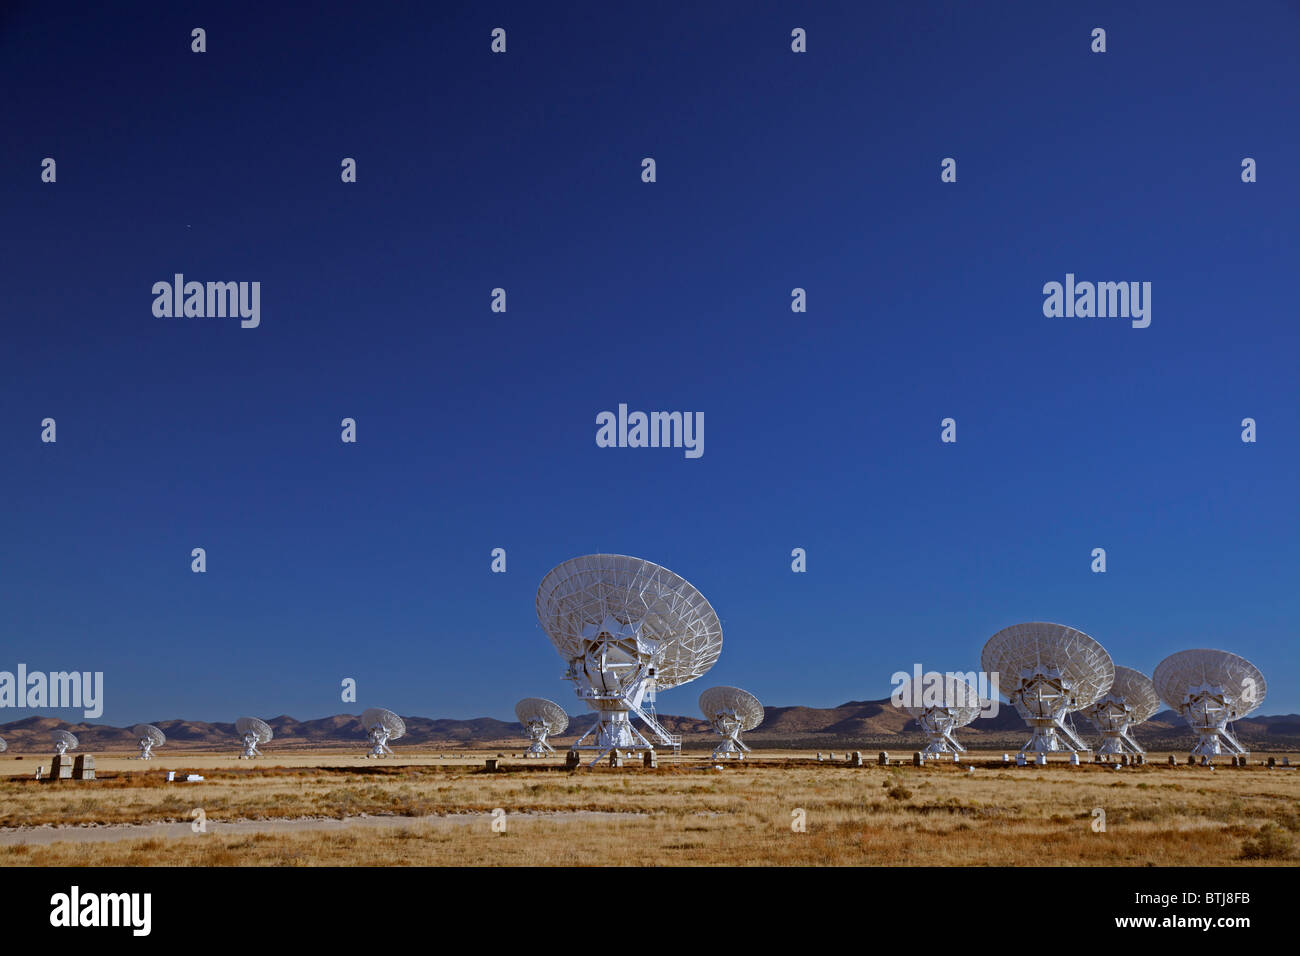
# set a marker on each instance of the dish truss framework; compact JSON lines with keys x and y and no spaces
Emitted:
{"x":63,"y":741}
{"x":541,"y":718}
{"x":1131,"y":700}
{"x":955,"y":705}
{"x":381,"y":726}
{"x":626,"y":628}
{"x":1048,"y":671}
{"x":731,"y":711}
{"x":1210,"y":689}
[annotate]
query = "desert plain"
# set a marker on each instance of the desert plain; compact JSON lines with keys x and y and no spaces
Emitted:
{"x":777,"y":807}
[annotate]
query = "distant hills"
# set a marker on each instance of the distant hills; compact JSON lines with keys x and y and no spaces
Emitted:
{"x":855,"y":724}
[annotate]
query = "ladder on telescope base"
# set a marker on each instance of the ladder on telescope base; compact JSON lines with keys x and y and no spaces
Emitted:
{"x":648,"y":715}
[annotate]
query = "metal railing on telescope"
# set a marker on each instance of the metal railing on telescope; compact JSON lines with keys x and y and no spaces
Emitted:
{"x":648,"y":715}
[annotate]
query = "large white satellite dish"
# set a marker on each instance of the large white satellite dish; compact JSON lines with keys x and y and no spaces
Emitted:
{"x":1210,"y":689}
{"x":625,"y":627}
{"x":3,"y":746}
{"x":254,"y":731}
{"x":1131,"y":700}
{"x":63,"y":741}
{"x":149,"y":737}
{"x":541,"y":719}
{"x":381,"y":726}
{"x":940,"y":708}
{"x":1048,"y":671}
{"x":731,"y":711}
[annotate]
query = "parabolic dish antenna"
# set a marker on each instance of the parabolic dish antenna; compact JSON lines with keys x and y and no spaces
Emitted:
{"x":731,"y":711}
{"x":1048,"y":671}
{"x":254,"y":731}
{"x":63,"y":741}
{"x":541,"y":718}
{"x":1210,"y":689}
{"x":940,"y":707}
{"x":1131,"y":700}
{"x":382,"y":726}
{"x":149,"y":737}
{"x":3,"y":746}
{"x":625,"y":627}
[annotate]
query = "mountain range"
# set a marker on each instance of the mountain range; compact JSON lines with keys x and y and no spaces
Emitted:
{"x":860,"y":724}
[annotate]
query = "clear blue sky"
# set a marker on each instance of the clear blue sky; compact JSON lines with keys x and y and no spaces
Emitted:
{"x":477,"y":430}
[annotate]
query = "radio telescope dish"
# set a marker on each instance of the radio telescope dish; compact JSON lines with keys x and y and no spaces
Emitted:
{"x":1210,"y":689}
{"x":1048,"y":671}
{"x":254,"y":732}
{"x":626,"y":627}
{"x":730,"y":711}
{"x":1131,"y":700}
{"x":63,"y":741}
{"x":149,"y":737}
{"x":541,"y":718}
{"x":940,"y":707}
{"x":3,"y":746}
{"x":382,"y":726}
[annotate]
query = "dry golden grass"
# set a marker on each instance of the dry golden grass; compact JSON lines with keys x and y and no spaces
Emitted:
{"x":681,"y":814}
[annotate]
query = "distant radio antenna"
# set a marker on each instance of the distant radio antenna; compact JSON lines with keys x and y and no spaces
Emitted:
{"x":730,"y":711}
{"x":541,"y":718}
{"x":3,"y":746}
{"x":625,"y":626}
{"x":1048,"y":671}
{"x":149,"y":737}
{"x":1210,"y":689}
{"x":63,"y":742}
{"x":382,"y":726}
{"x":940,"y":711}
{"x":254,"y":731}
{"x":1131,"y":700}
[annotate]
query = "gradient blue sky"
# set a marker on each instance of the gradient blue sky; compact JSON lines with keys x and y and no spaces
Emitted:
{"x":477,"y":430}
